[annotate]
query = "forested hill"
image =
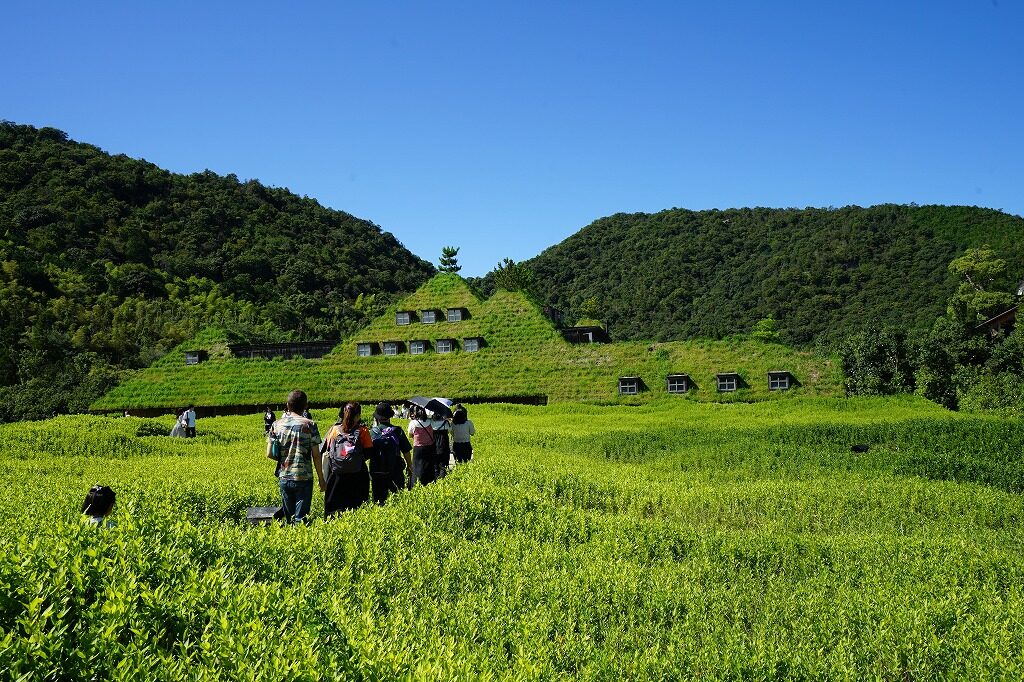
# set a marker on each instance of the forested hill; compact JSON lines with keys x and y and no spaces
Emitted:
{"x":821,"y":273}
{"x":107,"y":261}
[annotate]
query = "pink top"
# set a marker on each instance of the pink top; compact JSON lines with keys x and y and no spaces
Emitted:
{"x":422,"y":433}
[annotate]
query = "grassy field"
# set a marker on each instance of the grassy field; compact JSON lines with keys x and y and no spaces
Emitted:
{"x":523,"y":355}
{"x":673,"y":540}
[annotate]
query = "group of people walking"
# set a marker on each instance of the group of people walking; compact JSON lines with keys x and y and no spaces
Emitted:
{"x":356,"y":461}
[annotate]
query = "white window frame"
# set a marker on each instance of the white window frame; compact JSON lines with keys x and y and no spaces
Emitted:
{"x":406,"y":316}
{"x":471,"y":345}
{"x":456,"y":313}
{"x":444,"y":346}
{"x":417,"y":347}
{"x":677,"y":384}
{"x":428,"y":317}
{"x":390,"y":348}
{"x":727,"y":384}
{"x":629,"y":386}
{"x":778,"y":382}
{"x":364,"y":350}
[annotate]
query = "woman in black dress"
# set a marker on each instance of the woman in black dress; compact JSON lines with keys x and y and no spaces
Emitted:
{"x":345,"y":451}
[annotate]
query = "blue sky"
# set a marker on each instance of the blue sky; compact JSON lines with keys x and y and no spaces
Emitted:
{"x":503,"y":128}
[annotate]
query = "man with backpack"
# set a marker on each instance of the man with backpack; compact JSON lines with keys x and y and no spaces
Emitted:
{"x":346,"y":450}
{"x":392,"y":455}
{"x":293,"y":441}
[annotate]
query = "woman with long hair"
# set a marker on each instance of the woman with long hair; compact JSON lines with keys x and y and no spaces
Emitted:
{"x":347,"y":446}
{"x":424,"y":451}
{"x":462,"y":431}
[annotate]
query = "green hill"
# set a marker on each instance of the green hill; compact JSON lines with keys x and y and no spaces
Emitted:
{"x":107,"y":262}
{"x":523,"y":356}
{"x":821,"y":273}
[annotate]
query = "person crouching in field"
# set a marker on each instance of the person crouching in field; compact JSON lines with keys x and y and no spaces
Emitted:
{"x":346,"y":449}
{"x":298,"y":457}
{"x":99,"y":502}
{"x":462,"y":431}
{"x":392,"y":455}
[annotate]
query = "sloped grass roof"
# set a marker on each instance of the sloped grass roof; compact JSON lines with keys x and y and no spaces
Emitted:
{"x":523,"y":355}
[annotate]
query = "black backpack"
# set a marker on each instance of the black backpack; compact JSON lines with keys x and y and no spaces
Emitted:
{"x":346,"y":455}
{"x":386,"y":458}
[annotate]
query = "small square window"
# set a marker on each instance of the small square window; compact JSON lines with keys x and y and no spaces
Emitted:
{"x":727,"y":383}
{"x":678,"y":384}
{"x":402,"y":319}
{"x":471,"y":345}
{"x":390,"y":348}
{"x":455,"y":314}
{"x":428,"y":317}
{"x":364,"y":350}
{"x":444,"y":346}
{"x":778,"y":382}
{"x":629,"y":386}
{"x":417,"y":348}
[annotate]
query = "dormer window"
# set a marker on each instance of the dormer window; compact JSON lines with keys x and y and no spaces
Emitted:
{"x":630,"y":385}
{"x":417,"y":347}
{"x":779,"y":381}
{"x":472,"y":345}
{"x":364,"y":350}
{"x":677,"y":383}
{"x":456,"y":314}
{"x":194,"y":357}
{"x":428,"y":316}
{"x":728,"y":382}
{"x":392,"y":347}
{"x":444,"y":345}
{"x":403,"y":318}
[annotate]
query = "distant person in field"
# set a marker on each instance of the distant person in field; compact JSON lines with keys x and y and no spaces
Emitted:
{"x":392,"y":455}
{"x":424,"y":451}
{"x":268,"y":419}
{"x":99,"y":503}
{"x":298,"y":441}
{"x":346,"y":450}
{"x":190,"y":421}
{"x":179,"y":424}
{"x":462,"y":431}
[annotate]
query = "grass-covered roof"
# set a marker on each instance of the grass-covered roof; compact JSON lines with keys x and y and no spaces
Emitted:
{"x":523,"y":355}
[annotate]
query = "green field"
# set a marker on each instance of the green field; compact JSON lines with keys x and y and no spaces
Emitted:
{"x":523,"y":356}
{"x":673,"y":540}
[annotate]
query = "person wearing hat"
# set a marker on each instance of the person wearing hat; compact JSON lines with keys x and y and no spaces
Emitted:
{"x":392,"y":455}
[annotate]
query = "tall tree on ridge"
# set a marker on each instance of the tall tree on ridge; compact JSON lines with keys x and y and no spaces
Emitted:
{"x":448,"y":261}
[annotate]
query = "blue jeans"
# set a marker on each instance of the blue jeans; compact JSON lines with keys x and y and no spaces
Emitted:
{"x":296,"y":498}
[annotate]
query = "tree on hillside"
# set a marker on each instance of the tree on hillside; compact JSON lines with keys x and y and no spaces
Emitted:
{"x":764,"y":330}
{"x":978,"y":270}
{"x":448,"y":261}
{"x":590,"y":308}
{"x":513,"y":276}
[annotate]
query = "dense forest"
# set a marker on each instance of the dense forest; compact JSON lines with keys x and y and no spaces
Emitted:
{"x":822,"y":274}
{"x":106,"y":262}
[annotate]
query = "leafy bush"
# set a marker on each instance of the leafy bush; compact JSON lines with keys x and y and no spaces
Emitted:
{"x":602,"y":537}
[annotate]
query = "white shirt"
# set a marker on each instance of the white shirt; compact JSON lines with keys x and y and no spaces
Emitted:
{"x":462,"y":432}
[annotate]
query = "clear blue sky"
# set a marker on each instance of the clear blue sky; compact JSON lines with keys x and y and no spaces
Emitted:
{"x":505,"y":127}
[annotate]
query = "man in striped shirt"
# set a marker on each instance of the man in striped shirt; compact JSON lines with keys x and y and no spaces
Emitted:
{"x":298,"y":441}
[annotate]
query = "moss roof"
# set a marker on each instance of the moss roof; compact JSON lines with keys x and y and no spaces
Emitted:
{"x":523,"y":355}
